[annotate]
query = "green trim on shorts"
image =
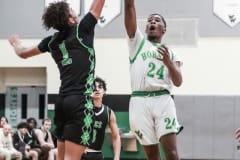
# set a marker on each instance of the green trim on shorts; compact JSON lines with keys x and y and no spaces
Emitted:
{"x":149,"y":93}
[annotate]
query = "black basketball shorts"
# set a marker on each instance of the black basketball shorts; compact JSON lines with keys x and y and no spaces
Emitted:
{"x":74,"y":119}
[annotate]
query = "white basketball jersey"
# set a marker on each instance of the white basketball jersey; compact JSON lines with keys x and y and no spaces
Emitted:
{"x":146,"y":71}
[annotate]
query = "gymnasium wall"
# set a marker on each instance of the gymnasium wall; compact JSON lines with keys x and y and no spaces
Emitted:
{"x":16,"y":15}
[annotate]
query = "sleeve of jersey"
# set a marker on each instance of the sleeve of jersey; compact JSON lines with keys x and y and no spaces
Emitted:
{"x":175,"y":57}
{"x":88,"y":23}
{"x":134,"y":43}
{"x":43,"y":45}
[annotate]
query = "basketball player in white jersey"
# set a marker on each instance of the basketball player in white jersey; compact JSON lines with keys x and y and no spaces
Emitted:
{"x":154,"y":70}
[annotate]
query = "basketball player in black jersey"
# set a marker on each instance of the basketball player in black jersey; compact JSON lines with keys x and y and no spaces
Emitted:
{"x":72,"y":49}
{"x":104,"y":117}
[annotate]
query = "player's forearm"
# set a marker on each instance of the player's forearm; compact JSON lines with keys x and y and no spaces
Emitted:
{"x":129,"y":3}
{"x":20,"y":50}
{"x":130,"y":17}
{"x":25,"y":52}
{"x":116,"y":142}
{"x":96,"y":8}
{"x":175,"y":74}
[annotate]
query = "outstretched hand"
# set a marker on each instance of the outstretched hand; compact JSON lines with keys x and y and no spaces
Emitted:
{"x":14,"y":40}
{"x":20,"y":50}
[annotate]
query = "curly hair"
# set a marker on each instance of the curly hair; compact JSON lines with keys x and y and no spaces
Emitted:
{"x":56,"y":16}
{"x":32,"y":120}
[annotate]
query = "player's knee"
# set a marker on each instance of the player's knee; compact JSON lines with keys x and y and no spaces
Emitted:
{"x":172,"y":155}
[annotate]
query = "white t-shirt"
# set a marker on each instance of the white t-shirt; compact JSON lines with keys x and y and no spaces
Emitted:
{"x":147,"y":72}
{"x":6,"y":142}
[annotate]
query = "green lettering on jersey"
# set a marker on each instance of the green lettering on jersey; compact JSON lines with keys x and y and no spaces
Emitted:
{"x":98,"y":124}
{"x":66,"y":60}
{"x":154,"y":71}
{"x":149,"y":54}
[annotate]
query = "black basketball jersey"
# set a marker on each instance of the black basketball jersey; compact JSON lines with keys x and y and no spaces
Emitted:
{"x":102,"y":118}
{"x":73,"y":52}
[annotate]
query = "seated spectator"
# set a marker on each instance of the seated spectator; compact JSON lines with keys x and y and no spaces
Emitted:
{"x":6,"y":144}
{"x":45,"y":138}
{"x":32,"y":139}
{"x":3,"y":121}
{"x":21,"y":145}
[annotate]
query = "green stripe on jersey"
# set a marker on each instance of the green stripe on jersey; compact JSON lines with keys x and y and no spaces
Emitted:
{"x":138,"y":51}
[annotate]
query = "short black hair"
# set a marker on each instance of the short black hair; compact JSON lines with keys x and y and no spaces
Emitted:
{"x":163,"y":19}
{"x":102,"y":82}
{"x":32,"y":120}
{"x":22,"y":125}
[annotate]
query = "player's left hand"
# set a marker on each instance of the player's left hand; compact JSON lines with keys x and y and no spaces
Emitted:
{"x":165,"y":56}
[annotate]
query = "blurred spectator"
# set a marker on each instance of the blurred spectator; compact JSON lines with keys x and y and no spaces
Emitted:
{"x":45,"y":138}
{"x":32,"y":139}
{"x":3,"y":121}
{"x":6,"y":144}
{"x":20,"y":144}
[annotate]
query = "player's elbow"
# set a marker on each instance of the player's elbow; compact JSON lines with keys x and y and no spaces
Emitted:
{"x":116,"y":136}
{"x":22,"y":56}
{"x":178,"y":83}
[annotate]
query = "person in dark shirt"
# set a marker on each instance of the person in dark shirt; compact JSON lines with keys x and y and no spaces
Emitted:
{"x":104,"y":118}
{"x":32,"y":139}
{"x":20,"y":144}
{"x":72,"y":48}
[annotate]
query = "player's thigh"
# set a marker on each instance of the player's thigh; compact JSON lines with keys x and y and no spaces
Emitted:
{"x":141,"y":121}
{"x":73,"y":151}
{"x":165,"y":116}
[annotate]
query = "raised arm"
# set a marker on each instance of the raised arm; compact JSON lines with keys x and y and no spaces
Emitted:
{"x":96,"y":8}
{"x":20,"y":50}
{"x":116,"y":141}
{"x":130,"y":18}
